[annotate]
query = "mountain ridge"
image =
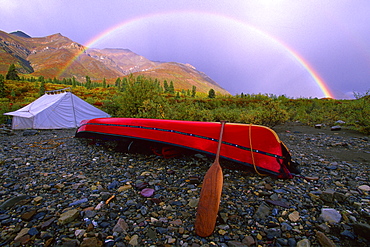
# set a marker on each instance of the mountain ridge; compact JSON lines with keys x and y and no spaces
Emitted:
{"x":60,"y":57}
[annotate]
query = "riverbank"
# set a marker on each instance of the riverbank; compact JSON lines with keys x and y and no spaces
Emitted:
{"x":57,"y":190}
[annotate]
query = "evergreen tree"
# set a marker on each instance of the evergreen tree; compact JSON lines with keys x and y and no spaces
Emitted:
{"x":124,"y":84}
{"x":74,"y":83}
{"x":211,"y":93}
{"x":42,"y":88}
{"x":158,"y":83}
{"x":171,"y":88}
{"x":166,"y":87}
{"x":88,"y":82}
{"x":118,"y":82}
{"x":2,"y":87}
{"x":41,"y":79}
{"x":193,"y":91}
{"x":104,"y":83}
{"x":177,"y":95}
{"x":12,"y":73}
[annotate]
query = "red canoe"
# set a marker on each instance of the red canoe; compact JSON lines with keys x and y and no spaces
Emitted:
{"x":253,"y":146}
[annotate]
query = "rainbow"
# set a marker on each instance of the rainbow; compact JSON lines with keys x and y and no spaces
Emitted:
{"x":319,"y":81}
{"x":297,"y":57}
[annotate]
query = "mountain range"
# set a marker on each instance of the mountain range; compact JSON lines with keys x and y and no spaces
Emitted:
{"x":60,"y":57}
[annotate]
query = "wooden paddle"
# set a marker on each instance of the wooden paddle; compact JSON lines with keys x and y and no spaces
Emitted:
{"x":210,"y":195}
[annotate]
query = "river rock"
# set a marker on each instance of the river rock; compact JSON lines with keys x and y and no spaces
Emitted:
{"x":262,"y":212}
{"x":193,"y":202}
{"x":124,"y":188}
{"x":91,"y":242}
{"x":362,"y":229}
{"x":304,"y":243}
{"x":364,"y":187}
{"x":134,"y":240}
{"x":324,"y":240}
{"x":330,"y":215}
{"x":249,"y":240}
{"x":121,"y":226}
{"x":327,"y":195}
{"x":254,"y":210}
{"x":68,"y":216}
{"x":23,"y":232}
{"x":294,"y":216}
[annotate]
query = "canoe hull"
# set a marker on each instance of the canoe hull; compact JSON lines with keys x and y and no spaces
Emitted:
{"x":254,"y":146}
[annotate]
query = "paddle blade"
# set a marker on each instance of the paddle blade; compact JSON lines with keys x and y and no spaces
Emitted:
{"x":209,"y":201}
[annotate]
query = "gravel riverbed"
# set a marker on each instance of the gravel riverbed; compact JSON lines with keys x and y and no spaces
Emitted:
{"x":57,"y":190}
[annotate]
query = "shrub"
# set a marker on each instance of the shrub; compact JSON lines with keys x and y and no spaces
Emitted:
{"x":269,"y":113}
{"x":358,"y":114}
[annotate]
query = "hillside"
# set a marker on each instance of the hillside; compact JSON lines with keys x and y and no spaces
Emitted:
{"x":60,"y":57}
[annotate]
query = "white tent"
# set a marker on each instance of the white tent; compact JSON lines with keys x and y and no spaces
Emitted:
{"x":55,"y":111}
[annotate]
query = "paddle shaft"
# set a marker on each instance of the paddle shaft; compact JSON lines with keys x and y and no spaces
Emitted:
{"x":210,"y":195}
{"x":217,"y":159}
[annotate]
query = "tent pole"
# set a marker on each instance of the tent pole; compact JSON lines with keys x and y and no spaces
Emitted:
{"x":73,"y":109}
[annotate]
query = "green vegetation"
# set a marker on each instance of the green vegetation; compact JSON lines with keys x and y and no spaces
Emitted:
{"x":12,"y":73}
{"x":149,"y":98}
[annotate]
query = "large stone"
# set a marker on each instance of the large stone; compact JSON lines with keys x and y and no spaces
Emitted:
{"x":134,"y":240}
{"x":304,"y":243}
{"x":124,"y":188}
{"x":193,"y":202}
{"x":37,"y":199}
{"x":79,"y":233}
{"x":91,"y":242}
{"x":68,"y":216}
{"x":27,"y":216}
{"x":121,"y":226}
{"x":340,"y":197}
{"x":364,"y":187}
{"x":327,"y":195}
{"x":330,"y":215}
{"x":20,"y":234}
{"x":262,"y":212}
{"x":324,"y":240}
{"x":294,"y":216}
{"x":362,"y":230}
{"x":273,"y":233}
{"x":47,"y":223}
{"x":151,"y":234}
{"x":236,"y":244}
{"x":249,"y":240}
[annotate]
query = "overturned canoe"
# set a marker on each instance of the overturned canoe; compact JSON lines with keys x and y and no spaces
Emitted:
{"x":249,"y":145}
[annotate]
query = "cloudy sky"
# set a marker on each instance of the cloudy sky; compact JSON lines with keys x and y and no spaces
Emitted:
{"x":312,"y":48}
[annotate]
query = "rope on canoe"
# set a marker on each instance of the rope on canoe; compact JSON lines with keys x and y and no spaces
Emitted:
{"x":252,"y":153}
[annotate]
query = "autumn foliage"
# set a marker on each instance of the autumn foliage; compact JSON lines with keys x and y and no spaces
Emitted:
{"x":147,"y":98}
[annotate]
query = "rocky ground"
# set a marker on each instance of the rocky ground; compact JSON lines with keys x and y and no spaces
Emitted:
{"x":60,"y":191}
